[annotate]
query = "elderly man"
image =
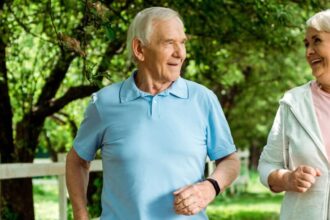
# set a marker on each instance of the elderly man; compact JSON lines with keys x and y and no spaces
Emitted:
{"x":155,"y":130}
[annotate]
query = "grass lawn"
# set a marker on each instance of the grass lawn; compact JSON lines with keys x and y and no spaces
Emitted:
{"x":257,"y":203}
{"x":45,"y":195}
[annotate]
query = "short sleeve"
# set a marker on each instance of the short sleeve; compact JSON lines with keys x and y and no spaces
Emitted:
{"x":89,"y":136}
{"x":219,"y":139}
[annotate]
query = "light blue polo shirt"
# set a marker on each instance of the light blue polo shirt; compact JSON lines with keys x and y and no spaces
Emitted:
{"x":152,"y":145}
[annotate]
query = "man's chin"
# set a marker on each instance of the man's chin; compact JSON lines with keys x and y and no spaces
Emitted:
{"x":175,"y":76}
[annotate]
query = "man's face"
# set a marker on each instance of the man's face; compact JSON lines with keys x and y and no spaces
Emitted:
{"x":165,"y":52}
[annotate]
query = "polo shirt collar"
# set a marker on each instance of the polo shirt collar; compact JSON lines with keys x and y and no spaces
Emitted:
{"x":129,"y":91}
{"x":179,"y":88}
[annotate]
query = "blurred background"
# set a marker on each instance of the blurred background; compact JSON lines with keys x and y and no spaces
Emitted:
{"x":55,"y":53}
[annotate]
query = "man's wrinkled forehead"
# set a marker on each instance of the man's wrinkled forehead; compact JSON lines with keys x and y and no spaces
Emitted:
{"x":168,"y":27}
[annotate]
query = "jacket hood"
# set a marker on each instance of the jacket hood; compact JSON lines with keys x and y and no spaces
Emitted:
{"x":299,"y":101}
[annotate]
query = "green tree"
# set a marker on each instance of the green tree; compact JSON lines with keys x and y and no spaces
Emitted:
{"x":249,"y":53}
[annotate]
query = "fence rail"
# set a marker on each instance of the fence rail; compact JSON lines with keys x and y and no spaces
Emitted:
{"x":27,"y":170}
{"x":23,"y":170}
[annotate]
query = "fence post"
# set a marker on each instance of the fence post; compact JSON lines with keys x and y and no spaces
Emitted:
{"x":62,"y":190}
{"x":210,"y":167}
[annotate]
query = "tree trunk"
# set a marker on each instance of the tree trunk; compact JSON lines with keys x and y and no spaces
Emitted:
{"x":255,"y":152}
{"x":6,"y":115}
{"x":18,"y":200}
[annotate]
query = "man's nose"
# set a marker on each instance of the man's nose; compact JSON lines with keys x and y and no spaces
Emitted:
{"x":180,"y":51}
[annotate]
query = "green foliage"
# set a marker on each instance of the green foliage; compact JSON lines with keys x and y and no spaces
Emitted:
{"x":8,"y":213}
{"x":248,"y":52}
{"x":94,"y":208}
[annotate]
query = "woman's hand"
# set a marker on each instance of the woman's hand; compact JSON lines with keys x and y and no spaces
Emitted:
{"x":301,"y":179}
{"x":298,"y":180}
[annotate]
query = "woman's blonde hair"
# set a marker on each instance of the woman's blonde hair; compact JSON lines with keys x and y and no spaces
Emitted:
{"x":320,"y":21}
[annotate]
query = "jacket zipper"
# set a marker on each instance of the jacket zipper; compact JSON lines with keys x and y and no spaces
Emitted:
{"x":325,"y":213}
{"x":327,"y":201}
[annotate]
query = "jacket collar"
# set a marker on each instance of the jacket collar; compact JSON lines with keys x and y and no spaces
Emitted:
{"x":129,"y":91}
{"x":301,"y":105}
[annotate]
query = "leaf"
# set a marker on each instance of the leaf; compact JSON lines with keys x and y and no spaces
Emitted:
{"x":109,"y":31}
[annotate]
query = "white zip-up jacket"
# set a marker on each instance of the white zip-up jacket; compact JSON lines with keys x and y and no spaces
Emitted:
{"x":295,"y":139}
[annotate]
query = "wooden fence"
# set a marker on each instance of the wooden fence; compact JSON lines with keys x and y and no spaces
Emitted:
{"x":23,"y":170}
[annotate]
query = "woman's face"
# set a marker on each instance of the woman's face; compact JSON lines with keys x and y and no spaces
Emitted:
{"x":318,"y":54}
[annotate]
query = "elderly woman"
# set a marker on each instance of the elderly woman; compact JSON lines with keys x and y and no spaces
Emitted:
{"x":296,"y":158}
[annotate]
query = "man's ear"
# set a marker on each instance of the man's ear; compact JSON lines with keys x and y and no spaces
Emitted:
{"x":138,"y":49}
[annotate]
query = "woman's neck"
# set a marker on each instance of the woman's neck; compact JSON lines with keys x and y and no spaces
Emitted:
{"x":324,"y":87}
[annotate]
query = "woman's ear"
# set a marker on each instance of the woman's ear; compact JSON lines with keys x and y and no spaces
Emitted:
{"x":138,"y":49}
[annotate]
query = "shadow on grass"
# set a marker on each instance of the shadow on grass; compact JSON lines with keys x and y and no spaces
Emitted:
{"x":248,"y":198}
{"x":245,"y":215}
{"x":246,"y":206}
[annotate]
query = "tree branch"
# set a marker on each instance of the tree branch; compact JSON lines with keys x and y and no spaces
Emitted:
{"x":53,"y":106}
{"x":56,"y":77}
{"x":113,"y":48}
{"x":58,"y":73}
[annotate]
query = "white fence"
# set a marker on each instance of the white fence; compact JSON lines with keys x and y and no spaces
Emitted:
{"x":21,"y":170}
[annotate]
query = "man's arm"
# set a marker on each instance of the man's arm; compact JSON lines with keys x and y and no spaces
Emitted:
{"x":190,"y":200}
{"x":226,"y":171}
{"x":77,"y":175}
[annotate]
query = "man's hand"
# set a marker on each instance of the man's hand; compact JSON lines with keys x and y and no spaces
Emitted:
{"x":301,"y":179}
{"x":190,"y":200}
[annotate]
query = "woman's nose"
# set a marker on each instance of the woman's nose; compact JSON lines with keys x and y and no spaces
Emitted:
{"x":309,"y":51}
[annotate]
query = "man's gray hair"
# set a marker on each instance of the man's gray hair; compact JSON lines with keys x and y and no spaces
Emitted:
{"x":320,"y":21}
{"x":142,"y":26}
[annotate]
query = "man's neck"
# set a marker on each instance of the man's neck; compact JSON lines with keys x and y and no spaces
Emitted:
{"x":147,"y":84}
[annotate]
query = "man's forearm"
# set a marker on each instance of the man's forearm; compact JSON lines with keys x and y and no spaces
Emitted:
{"x":226,"y":171}
{"x":77,"y":175}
